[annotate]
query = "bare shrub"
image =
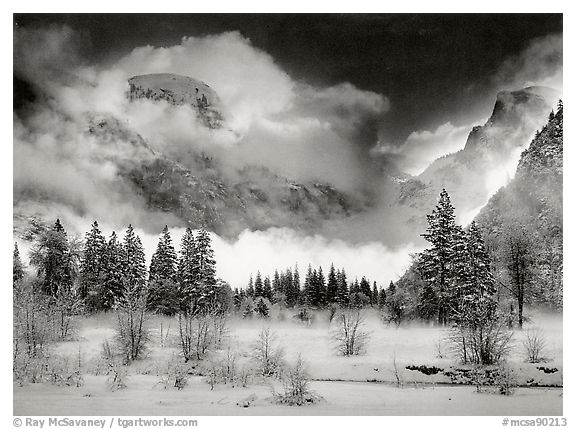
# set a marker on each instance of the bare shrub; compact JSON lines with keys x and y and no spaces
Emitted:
{"x":396,"y":371}
{"x":164,"y":334}
{"x":485,"y":343}
{"x":219,"y":327}
{"x":117,"y":374}
{"x":245,"y":375}
{"x":196,"y":334}
{"x":439,"y":345}
{"x":64,"y":309}
{"x":31,"y":324}
{"x":61,"y":372}
{"x":111,"y":363}
{"x":505,"y":380}
{"x":132,"y":335}
{"x":101,"y":364}
{"x":176,"y":375}
{"x":295,"y":383}
{"x":500,"y":380}
{"x":228,"y":366}
{"x":55,"y":369}
{"x":348,"y":333}
{"x":29,"y":369}
{"x":228,"y":371}
{"x":267,"y":353}
{"x":534,"y":345}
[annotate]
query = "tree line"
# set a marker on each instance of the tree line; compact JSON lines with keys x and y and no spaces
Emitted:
{"x":100,"y":271}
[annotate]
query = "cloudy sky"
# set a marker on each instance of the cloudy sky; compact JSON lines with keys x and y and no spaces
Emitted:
{"x":336,"y":98}
{"x":431,"y":67}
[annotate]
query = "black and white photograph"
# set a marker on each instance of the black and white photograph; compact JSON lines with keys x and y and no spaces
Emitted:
{"x":286,"y":214}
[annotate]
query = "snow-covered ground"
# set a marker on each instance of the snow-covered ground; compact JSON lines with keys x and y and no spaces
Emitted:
{"x":359,"y":385}
{"x":340,"y":398}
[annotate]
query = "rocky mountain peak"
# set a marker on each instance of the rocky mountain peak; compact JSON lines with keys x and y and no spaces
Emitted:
{"x":513,"y":114}
{"x":178,"y":90}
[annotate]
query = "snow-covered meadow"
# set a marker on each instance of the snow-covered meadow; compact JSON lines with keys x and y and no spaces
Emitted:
{"x":376,"y":382}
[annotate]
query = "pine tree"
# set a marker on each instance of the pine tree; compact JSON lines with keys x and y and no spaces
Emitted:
{"x":133,"y":262}
{"x":374,"y":297}
{"x":267,"y":289}
{"x":163,"y":265}
{"x":276,"y":283}
{"x":51,"y":255}
{"x":17,"y":267}
{"x":480,"y":278}
{"x":355,"y":287}
{"x":262,"y":308}
{"x":435,"y":262}
{"x":294,"y":282}
{"x":205,"y":268}
{"x":382,"y":299}
{"x":332,"y":286}
{"x":308,"y":290}
{"x":112,"y":285}
{"x":391,"y":288}
{"x":237,"y":299}
{"x":92,"y":265}
{"x":162,"y":280}
{"x":365,"y":288}
{"x":477,"y":306}
{"x":427,"y":306}
{"x":343,"y":294}
{"x":250,"y":289}
{"x":258,"y":286}
{"x":320,"y":289}
{"x":458,"y":280}
{"x":187,"y":288}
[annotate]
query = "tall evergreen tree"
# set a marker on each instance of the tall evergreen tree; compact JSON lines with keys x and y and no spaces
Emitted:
{"x":343,"y":293}
{"x":163,"y":265}
{"x":111,"y":288}
{"x":374,"y":297}
{"x":205,"y":268}
{"x":258,"y":285}
{"x":17,"y":267}
{"x":320,"y":289}
{"x":133,"y":262}
{"x":187,"y":287}
{"x":459,"y":271}
{"x":92,"y":265}
{"x":294,"y":281}
{"x":480,"y":278}
{"x":382,"y":299}
{"x":51,"y":255}
{"x":250,"y":289}
{"x":427,"y":306}
{"x":332,"y":286}
{"x":267,"y":289}
{"x":163,"y":294}
{"x":435,"y":262}
{"x":391,"y":288}
{"x":365,"y":288}
{"x":355,"y":287}
{"x":308,"y":290}
{"x":276,"y":283}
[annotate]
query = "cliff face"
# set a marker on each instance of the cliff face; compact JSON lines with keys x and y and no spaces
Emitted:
{"x":515,"y":116}
{"x":531,"y":205}
{"x":258,"y":199}
{"x":469,"y":174}
{"x":178,"y":90}
{"x":523,"y":221}
{"x":198,"y":191}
